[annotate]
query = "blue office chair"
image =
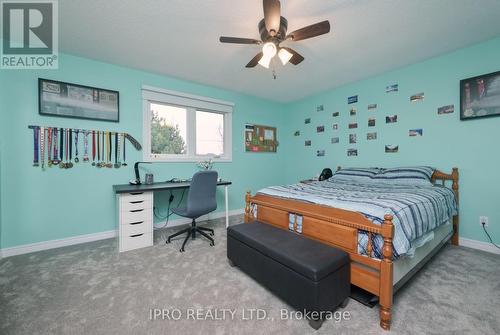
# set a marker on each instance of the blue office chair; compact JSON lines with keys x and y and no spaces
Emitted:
{"x":200,"y":201}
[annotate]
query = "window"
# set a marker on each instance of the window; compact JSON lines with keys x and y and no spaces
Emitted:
{"x":209,"y":133}
{"x":181,"y":127}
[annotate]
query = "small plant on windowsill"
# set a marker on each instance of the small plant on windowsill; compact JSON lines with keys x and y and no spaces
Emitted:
{"x":206,"y":164}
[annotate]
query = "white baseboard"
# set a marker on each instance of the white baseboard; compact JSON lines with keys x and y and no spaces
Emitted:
{"x":479,"y":245}
{"x":64,"y":242}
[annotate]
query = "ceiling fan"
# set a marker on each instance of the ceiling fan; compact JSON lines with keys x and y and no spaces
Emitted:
{"x":272,"y":31}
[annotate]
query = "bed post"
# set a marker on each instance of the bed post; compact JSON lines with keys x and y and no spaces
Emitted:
{"x":454,"y":186}
{"x":247,"y":207}
{"x":386,"y":278}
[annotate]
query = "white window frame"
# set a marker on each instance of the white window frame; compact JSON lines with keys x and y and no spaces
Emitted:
{"x":192,"y":103}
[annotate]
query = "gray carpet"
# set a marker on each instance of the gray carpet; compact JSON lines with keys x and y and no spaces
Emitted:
{"x":92,"y":289}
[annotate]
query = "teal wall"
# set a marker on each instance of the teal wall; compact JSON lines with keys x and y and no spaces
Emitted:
{"x":38,"y":206}
{"x":472,"y":146}
{"x":41,"y":205}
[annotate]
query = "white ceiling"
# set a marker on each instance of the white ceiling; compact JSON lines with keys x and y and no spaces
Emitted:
{"x":180,"y":38}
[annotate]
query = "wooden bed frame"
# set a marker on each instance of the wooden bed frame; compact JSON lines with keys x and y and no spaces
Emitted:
{"x":339,"y":228}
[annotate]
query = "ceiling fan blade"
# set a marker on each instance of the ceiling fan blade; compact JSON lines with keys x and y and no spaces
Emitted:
{"x":310,"y":31}
{"x":255,"y":60}
{"x":238,"y":40}
{"x":272,"y":15}
{"x":296,"y":58}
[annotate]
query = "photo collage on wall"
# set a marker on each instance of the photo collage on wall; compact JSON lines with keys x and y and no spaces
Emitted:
{"x":353,"y":112}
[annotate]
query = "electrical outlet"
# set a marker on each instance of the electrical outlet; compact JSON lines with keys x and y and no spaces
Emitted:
{"x":483,"y":221}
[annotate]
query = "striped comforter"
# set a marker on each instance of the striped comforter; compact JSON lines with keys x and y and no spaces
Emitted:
{"x":417,"y":210}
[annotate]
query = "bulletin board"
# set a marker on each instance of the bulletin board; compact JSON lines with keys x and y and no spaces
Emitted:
{"x":260,"y":138}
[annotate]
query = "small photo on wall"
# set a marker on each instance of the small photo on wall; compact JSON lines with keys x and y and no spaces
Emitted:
{"x":335,"y":126}
{"x":372,"y":106}
{"x":307,"y":143}
{"x":353,"y":125}
{"x":391,"y":148}
{"x":446,"y":109}
{"x":391,"y":88}
{"x":320,"y":129}
{"x":320,"y":108}
{"x":416,"y":132}
{"x":352,"y":152}
{"x":371,"y":122}
{"x":352,"y":111}
{"x":320,"y":153}
{"x":297,"y":133}
{"x":371,"y":136}
{"x":335,"y":140}
{"x":352,"y":138}
{"x":417,"y":97}
{"x":335,"y":114}
{"x":391,"y":119}
{"x":307,"y":121}
{"x":352,"y":99}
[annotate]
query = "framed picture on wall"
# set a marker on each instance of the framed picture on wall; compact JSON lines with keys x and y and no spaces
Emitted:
{"x":57,"y":98}
{"x":480,"y":96}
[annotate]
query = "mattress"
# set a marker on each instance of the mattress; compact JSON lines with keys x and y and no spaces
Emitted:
{"x":416,"y":210}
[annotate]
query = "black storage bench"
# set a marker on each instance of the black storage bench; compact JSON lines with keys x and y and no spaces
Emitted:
{"x":308,"y":275}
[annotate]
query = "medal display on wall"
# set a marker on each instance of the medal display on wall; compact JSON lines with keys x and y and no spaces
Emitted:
{"x":56,"y":146}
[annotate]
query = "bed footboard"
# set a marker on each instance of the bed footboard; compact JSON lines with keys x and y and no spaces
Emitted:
{"x":340,"y":229}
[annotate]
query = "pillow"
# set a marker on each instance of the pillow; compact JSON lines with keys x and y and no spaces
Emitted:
{"x":355,"y":175}
{"x":412,"y":175}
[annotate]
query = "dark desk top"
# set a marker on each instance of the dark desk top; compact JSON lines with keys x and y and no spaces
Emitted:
{"x":127,"y":188}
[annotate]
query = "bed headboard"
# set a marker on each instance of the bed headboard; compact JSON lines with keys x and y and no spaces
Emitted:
{"x":441,"y":177}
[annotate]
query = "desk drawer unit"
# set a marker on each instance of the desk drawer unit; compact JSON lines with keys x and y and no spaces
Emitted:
{"x":135,"y":216}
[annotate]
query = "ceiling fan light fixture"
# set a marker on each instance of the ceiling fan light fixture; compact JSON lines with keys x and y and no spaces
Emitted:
{"x":284,"y":56}
{"x":269,"y":50}
{"x":265,"y":61}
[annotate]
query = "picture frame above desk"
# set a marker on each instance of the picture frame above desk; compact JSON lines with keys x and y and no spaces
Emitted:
{"x":61,"y":99}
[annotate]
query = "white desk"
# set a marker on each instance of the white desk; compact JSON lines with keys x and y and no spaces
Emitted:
{"x":135,"y":211}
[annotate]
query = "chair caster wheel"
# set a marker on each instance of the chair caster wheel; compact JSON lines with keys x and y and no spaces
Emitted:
{"x":181,"y":250}
{"x":212,"y":244}
{"x":212,"y":234}
{"x":167,"y":242}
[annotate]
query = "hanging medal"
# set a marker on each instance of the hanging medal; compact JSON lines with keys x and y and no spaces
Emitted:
{"x":35,"y":146}
{"x":62,"y":164}
{"x":98,"y":148}
{"x":76,"y":146}
{"x":117,"y":151}
{"x":49,"y":147}
{"x":124,"y":156}
{"x":56,"y":160}
{"x":69,"y":147}
{"x":42,"y":147}
{"x":66,"y":149}
{"x":103,"y":148}
{"x":110,"y":149}
{"x":86,"y":146}
{"x":93,"y":147}
{"x":107,"y":150}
